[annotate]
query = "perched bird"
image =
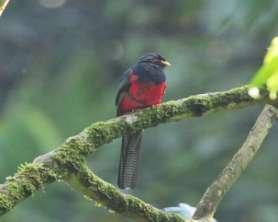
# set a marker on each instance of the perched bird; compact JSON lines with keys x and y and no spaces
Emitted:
{"x":141,"y":86}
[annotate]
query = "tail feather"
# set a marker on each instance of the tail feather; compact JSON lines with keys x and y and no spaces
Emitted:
{"x":127,"y":175}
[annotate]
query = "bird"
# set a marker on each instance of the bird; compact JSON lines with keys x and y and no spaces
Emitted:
{"x":142,"y":85}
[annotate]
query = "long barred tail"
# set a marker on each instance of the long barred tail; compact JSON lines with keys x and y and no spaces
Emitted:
{"x":127,"y":175}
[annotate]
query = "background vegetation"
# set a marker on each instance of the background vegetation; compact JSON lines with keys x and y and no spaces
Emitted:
{"x":60,"y":63}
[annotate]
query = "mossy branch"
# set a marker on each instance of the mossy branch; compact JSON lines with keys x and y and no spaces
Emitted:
{"x":107,"y":195}
{"x":215,"y":193}
{"x":66,"y":159}
{"x":29,"y":178}
{"x":3,"y":5}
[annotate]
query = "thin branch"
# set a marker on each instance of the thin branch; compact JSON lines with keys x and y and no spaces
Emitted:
{"x":67,"y":157}
{"x":215,"y":193}
{"x":3,"y":5}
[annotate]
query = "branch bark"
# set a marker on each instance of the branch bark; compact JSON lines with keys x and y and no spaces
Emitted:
{"x":67,"y":158}
{"x":216,"y":191}
{"x":107,"y":195}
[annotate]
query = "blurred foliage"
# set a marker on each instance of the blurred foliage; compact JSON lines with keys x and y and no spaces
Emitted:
{"x":268,"y":73}
{"x":60,"y":64}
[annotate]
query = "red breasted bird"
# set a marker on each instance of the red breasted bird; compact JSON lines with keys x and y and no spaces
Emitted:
{"x":141,"y":86}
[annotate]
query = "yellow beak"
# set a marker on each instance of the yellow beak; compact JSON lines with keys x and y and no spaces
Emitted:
{"x":166,"y":63}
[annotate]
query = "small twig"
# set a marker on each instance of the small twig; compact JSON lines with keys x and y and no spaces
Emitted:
{"x":3,"y":5}
{"x":215,"y":193}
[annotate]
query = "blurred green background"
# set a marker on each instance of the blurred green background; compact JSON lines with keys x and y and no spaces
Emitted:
{"x":60,"y":64}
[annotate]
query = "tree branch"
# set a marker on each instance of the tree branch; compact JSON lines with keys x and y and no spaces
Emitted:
{"x":107,"y":195}
{"x":215,"y":193}
{"x":3,"y":5}
{"x":67,"y":157}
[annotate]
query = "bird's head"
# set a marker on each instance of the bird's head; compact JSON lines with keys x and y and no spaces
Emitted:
{"x":154,"y":59}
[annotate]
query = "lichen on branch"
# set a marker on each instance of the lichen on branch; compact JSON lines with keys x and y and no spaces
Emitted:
{"x":67,"y":158}
{"x":29,"y":178}
{"x":105,"y":194}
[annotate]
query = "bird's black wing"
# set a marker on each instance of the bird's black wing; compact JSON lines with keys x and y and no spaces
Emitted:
{"x":123,"y":88}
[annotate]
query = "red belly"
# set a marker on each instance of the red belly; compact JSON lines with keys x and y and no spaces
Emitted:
{"x":142,"y":95}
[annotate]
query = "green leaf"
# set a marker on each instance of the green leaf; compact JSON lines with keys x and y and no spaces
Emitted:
{"x":268,"y":73}
{"x":3,"y":5}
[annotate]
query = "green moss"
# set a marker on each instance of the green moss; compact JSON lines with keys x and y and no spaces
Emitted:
{"x":68,"y":160}
{"x":107,"y":195}
{"x":29,"y":178}
{"x":76,"y":148}
{"x":5,"y":204}
{"x":104,"y":132}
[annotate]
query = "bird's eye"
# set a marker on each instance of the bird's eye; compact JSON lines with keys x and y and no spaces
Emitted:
{"x":160,"y":57}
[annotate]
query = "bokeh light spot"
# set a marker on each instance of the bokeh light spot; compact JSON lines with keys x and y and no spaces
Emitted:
{"x":52,"y":3}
